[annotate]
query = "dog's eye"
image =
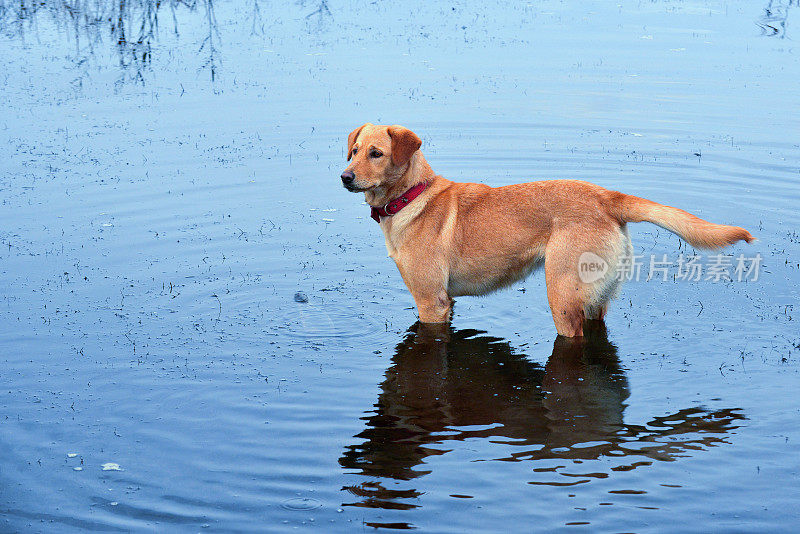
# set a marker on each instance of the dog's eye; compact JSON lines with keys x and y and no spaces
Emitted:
{"x":355,"y":149}
{"x":375,"y":154}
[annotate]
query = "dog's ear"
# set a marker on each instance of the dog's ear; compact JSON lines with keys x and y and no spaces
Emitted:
{"x":351,"y":139}
{"x":404,"y":144}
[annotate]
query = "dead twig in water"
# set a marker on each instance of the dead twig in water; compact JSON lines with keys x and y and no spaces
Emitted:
{"x":220,"y":305}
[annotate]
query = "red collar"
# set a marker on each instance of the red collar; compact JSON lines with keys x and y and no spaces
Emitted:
{"x":393,"y":206}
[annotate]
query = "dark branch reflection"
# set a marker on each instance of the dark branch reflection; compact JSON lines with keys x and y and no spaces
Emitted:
{"x":445,"y":386}
{"x":773,"y":20}
{"x":131,"y":26}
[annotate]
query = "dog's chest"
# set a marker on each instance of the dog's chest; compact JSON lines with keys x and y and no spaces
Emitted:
{"x":391,"y":251}
{"x":394,"y":233}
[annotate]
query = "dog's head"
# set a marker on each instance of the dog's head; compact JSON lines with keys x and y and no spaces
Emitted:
{"x":379,"y":156}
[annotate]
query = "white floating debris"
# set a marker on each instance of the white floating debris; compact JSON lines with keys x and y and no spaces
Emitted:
{"x":79,"y":468}
{"x":330,"y":209}
{"x":327,"y":220}
{"x":111,"y":466}
{"x":113,"y":503}
{"x":72,"y":454}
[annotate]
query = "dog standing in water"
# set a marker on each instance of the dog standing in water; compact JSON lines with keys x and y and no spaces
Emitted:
{"x":451,"y":239}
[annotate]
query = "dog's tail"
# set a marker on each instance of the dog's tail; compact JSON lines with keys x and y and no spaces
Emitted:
{"x":694,"y":230}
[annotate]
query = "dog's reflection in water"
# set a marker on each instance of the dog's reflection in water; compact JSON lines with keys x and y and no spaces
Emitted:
{"x":448,"y":385}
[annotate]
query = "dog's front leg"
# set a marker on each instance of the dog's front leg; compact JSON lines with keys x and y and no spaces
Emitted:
{"x":427,"y":282}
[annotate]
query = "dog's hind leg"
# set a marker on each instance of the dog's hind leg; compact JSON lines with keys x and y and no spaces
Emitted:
{"x":565,"y":292}
{"x":433,"y":308}
{"x":580,"y":269}
{"x":618,"y":249}
{"x":596,"y":312}
{"x":567,"y":308}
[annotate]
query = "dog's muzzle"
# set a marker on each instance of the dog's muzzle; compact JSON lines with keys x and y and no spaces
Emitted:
{"x":348,"y":181}
{"x":348,"y":177}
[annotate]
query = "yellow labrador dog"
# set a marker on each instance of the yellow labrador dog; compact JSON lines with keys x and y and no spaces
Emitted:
{"x":451,"y":239}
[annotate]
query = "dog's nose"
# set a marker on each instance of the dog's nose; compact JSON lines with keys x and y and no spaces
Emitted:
{"x":348,"y":177}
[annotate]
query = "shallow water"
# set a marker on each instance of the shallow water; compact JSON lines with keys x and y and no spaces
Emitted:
{"x":166,"y":195}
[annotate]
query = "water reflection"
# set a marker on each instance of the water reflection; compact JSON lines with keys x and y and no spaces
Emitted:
{"x":131,"y":26}
{"x":446,"y":386}
{"x":776,"y":13}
